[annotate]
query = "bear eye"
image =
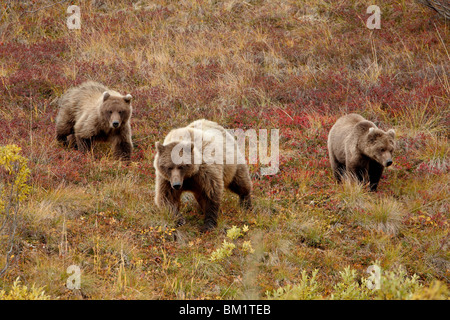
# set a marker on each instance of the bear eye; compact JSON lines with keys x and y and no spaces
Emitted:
{"x":382,"y":149}
{"x":110,"y":112}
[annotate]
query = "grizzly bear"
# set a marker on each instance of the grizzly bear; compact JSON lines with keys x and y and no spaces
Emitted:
{"x":92,"y":112}
{"x":208,"y":166}
{"x":357,"y":147}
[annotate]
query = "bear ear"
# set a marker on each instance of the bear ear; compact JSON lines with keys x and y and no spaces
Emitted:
{"x":159,"y":147}
{"x":106,"y":95}
{"x":373,"y":135}
{"x":391,"y":133}
{"x":128,"y":98}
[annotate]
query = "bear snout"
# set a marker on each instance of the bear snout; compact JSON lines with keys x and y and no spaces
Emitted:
{"x":176,"y":185}
{"x":388,"y":162}
{"x":115,"y":119}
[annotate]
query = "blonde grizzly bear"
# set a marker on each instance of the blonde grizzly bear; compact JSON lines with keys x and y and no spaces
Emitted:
{"x":201,"y":158}
{"x":357,"y":147}
{"x":92,"y":112}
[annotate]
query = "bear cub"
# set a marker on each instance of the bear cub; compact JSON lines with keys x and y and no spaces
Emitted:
{"x":92,"y":112}
{"x":205,"y":169}
{"x":358,"y":147}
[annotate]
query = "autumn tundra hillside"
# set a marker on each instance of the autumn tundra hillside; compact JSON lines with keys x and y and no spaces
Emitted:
{"x":295,"y":66}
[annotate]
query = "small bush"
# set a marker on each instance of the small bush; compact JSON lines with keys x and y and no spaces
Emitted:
{"x":14,"y":189}
{"x":307,"y":289}
{"x":393,"y":285}
{"x":227,"y":248}
{"x":21,"y":292}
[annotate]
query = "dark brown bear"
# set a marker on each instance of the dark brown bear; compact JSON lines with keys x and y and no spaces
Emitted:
{"x":92,"y":112}
{"x":357,"y":147}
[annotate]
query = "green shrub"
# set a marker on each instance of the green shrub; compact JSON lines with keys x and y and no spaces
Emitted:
{"x":22,"y":292}
{"x":307,"y":289}
{"x":14,"y":189}
{"x":394,"y":285}
{"x":227,"y":248}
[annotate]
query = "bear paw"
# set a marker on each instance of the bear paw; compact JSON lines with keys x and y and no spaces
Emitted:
{"x":208,"y":226}
{"x":180,"y":221}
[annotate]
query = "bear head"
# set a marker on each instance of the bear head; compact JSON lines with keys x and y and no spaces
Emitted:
{"x":115,"y":111}
{"x":379,"y":145}
{"x":175,"y":162}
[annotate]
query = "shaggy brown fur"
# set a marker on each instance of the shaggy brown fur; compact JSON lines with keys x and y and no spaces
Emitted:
{"x":206,"y":180}
{"x":356,"y":146}
{"x":92,"y":112}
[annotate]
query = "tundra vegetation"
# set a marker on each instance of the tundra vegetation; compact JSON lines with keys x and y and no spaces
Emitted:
{"x":296,"y":66}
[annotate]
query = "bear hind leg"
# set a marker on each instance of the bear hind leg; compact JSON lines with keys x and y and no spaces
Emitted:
{"x":242,"y":186}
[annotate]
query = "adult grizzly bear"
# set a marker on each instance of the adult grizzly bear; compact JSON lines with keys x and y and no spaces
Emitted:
{"x":358,"y":147}
{"x":92,"y":112}
{"x":200,"y":158}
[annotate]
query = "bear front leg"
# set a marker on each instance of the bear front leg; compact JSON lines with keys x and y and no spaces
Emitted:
{"x":208,"y":190}
{"x":71,"y":141}
{"x":357,"y":167}
{"x":122,"y":145}
{"x":168,"y":198}
{"x":358,"y":172}
{"x":211,"y":214}
{"x":83,"y":144}
{"x":63,"y":132}
{"x":375,"y":173}
{"x":122,"y":150}
{"x":210,"y":208}
{"x":84,"y":131}
{"x":245,"y":201}
{"x":337,"y":168}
